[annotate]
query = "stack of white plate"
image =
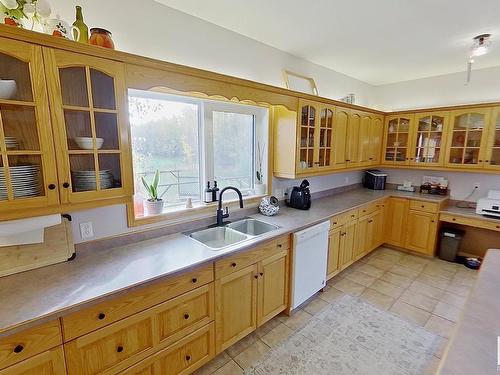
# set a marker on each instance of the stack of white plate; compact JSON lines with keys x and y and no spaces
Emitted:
{"x":25,"y":181}
{"x":86,"y":180}
{"x":11,"y":143}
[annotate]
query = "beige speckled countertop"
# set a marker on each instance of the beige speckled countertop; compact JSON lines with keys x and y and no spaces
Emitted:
{"x":473,"y":348}
{"x":39,"y":295}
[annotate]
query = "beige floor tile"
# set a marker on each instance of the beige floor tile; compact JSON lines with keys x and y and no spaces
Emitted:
{"x":419,"y":300}
{"x":467,"y":272}
{"x":350,"y":287}
{"x":388,"y":258}
{"x":251,"y":355}
{"x":361,"y":278}
{"x":402,"y":281}
{"x":381,"y":264}
{"x":386,"y":288}
{"x":441,"y":348}
{"x":314,"y":306}
{"x":432,"y":366}
{"x":447,"y":311}
{"x":331,"y":294}
{"x":461,"y":290}
{"x":436,"y":270}
{"x":459,"y":279}
{"x":377,"y":299}
{"x":440,"y":326}
{"x":371,"y":270}
{"x":268,"y":327}
{"x":388,"y":250}
{"x":443,"y":264}
{"x":403,"y":271}
{"x":241,"y":345}
{"x":297,"y":320}
{"x":277,"y":335}
{"x":425,"y":289}
{"x":413,"y":262}
{"x":335,"y":279}
{"x":230,"y":368}
{"x":437,"y":282}
{"x":215,"y":364}
{"x":410,"y":313}
{"x":453,"y":299}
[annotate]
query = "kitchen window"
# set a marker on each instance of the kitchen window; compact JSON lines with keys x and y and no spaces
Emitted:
{"x":191,"y":142}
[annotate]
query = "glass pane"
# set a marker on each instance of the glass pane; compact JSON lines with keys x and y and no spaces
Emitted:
{"x":3,"y":185}
{"x":322,"y":157}
{"x":322,"y":138}
{"x":304,"y":116}
{"x":312,"y":115}
{"x":106,"y":128}
{"x":233,"y":145}
{"x":471,"y":156}
{"x":427,"y":155}
{"x":458,"y":139}
{"x":20,"y":127}
{"x":26,"y":176}
{"x":424,"y":123}
{"x":78,"y":130}
{"x":495,"y":156}
{"x":404,"y":125}
{"x":83,"y":176}
{"x":390,"y":154}
{"x":393,"y":126}
{"x":400,"y":154}
{"x":74,"y":86}
{"x":323,"y":118}
{"x":103,"y":90}
{"x":461,"y":122}
{"x":303,"y":159}
{"x":474,"y":138}
{"x":303,"y":136}
{"x":329,"y":119}
{"x":476,"y":121}
{"x":437,"y":123}
{"x":329,"y":138}
{"x":109,"y":171}
{"x":311,"y":137}
{"x":402,"y":140}
{"x":16,"y":79}
{"x":456,"y":155}
{"x":165,"y":137}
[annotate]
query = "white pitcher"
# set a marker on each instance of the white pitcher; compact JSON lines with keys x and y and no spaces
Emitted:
{"x":67,"y":31}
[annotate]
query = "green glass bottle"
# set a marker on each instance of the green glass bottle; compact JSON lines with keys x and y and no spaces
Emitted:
{"x":83,"y":35}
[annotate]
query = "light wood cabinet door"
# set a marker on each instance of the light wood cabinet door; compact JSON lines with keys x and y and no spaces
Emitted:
{"x":236,"y":306}
{"x":353,"y":138}
{"x":396,"y":221}
{"x":339,"y":137}
{"x":308,"y":135}
{"x":272,"y":289}
{"x":397,"y":139}
{"x":466,"y":146}
{"x":28,"y":173}
{"x":377,"y":229}
{"x":88,"y":109}
{"x":493,"y":146}
{"x":376,"y":136}
{"x":333,"y":252}
{"x":50,"y":362}
{"x":429,"y":139}
{"x":362,"y":237}
{"x":364,"y":139}
{"x":422,"y":231}
{"x":347,"y":243}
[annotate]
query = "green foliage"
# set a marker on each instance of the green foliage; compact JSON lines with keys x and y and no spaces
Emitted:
{"x":152,"y":189}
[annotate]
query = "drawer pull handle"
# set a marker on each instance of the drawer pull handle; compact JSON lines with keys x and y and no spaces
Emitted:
{"x":66,"y":185}
{"x":256,"y":276}
{"x":188,"y":358}
{"x":18,"y":349}
{"x":454,"y":219}
{"x":422,"y":206}
{"x":194,"y":279}
{"x":280,"y":245}
{"x":101,"y":316}
{"x":261,"y":274}
{"x":498,"y":227}
{"x":119,"y":349}
{"x":52,"y":186}
{"x":186,"y":316}
{"x":233,"y":264}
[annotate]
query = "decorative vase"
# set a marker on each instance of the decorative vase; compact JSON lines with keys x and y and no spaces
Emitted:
{"x":153,"y":207}
{"x":269,"y":206}
{"x":101,"y":37}
{"x":260,"y":189}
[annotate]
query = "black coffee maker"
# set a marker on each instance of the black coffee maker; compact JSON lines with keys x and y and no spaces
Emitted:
{"x":299,"y":196}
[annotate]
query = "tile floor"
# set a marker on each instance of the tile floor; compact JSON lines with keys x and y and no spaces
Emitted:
{"x":427,"y":292}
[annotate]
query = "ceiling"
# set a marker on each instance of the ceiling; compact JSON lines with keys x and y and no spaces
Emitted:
{"x":377,"y":42}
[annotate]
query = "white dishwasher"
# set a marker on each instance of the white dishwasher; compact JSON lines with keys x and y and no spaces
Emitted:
{"x":310,"y":256}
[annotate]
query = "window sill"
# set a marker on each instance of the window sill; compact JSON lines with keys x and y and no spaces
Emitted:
{"x":180,"y":214}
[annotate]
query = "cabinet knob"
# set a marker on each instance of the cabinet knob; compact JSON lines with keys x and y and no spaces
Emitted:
{"x":256,"y":276}
{"x":422,"y":206}
{"x":18,"y":349}
{"x":188,"y":358}
{"x":370,"y":158}
{"x":52,"y":186}
{"x":480,"y":161}
{"x":101,"y":316}
{"x":454,"y":219}
{"x":233,"y":264}
{"x":194,"y":280}
{"x":280,"y":245}
{"x":119,"y":349}
{"x":498,"y":227}
{"x":347,"y":160}
{"x":261,"y":273}
{"x":186,"y":316}
{"x":66,"y":185}
{"x":432,"y":221}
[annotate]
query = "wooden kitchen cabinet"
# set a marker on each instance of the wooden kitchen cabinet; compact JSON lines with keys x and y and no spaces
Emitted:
{"x":397,"y":139}
{"x":396,"y":221}
{"x":493,"y":145}
{"x":352,"y":138}
{"x":333,"y":252}
{"x":376,"y":136}
{"x":50,"y":362}
{"x":429,"y":139}
{"x":422,"y":232}
{"x":347,"y":244}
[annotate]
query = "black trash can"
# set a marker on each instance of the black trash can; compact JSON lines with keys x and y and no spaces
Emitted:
{"x":450,"y":243}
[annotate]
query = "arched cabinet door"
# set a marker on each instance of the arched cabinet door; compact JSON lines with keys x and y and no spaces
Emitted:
{"x":428,"y":142}
{"x":28,"y":175}
{"x":397,"y":139}
{"x":89,"y":100}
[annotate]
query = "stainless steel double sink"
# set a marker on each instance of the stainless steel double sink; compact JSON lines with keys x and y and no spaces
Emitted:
{"x":218,"y":238}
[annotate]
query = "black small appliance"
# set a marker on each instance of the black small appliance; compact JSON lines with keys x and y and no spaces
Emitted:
{"x":299,"y":196}
{"x":374,"y":179}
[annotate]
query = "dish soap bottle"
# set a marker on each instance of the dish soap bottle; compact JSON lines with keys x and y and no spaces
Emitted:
{"x":208,"y":193}
{"x":80,"y":25}
{"x":215,"y":192}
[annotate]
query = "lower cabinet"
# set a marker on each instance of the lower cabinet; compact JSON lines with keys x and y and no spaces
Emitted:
{"x":396,"y":221}
{"x":50,"y":362}
{"x":347,"y":244}
{"x":422,"y":232}
{"x":333,"y":252}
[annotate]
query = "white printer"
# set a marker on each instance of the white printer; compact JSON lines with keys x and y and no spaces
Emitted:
{"x":489,"y":206}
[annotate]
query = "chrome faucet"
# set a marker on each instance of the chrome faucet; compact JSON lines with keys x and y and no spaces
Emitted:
{"x":221,"y":215}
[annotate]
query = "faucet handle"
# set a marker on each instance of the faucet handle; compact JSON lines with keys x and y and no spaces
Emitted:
{"x":226,"y":210}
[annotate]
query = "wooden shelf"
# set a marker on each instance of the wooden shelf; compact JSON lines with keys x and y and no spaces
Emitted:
{"x":17,"y":102}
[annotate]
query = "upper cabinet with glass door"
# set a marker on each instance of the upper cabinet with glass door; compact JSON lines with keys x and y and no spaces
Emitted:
{"x":89,"y":118}
{"x":467,"y":138}
{"x":397,"y":139}
{"x":28,"y":175}
{"x":493,"y":147}
{"x":428,"y":140}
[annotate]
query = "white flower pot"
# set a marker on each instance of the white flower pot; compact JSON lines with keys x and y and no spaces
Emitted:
{"x":260,"y":189}
{"x":153,"y":207}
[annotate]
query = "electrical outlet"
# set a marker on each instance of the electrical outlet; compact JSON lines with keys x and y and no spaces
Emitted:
{"x":86,"y":230}
{"x":477,"y":186}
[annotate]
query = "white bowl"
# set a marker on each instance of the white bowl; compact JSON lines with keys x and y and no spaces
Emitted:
{"x":8,"y":88}
{"x":86,"y":143}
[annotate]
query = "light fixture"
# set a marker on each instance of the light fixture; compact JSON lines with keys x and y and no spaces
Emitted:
{"x":480,"y":46}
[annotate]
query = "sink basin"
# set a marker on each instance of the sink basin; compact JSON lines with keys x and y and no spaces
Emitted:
{"x":218,"y":237}
{"x":252,"y":227}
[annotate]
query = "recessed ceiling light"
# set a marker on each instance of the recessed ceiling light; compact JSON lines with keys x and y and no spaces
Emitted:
{"x":480,"y":45}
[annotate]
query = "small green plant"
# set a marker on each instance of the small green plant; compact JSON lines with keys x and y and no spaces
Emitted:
{"x":152,"y":189}
{"x":260,"y":158}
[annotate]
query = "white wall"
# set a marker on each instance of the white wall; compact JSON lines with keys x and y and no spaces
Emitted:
{"x":449,"y":89}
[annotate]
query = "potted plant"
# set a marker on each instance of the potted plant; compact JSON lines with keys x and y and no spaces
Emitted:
{"x":154,"y":204}
{"x":260,"y":187}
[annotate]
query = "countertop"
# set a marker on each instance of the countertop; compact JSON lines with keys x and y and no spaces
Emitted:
{"x":473,"y":348}
{"x":46,"y":293}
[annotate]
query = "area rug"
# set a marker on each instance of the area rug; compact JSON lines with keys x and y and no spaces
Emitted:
{"x":351,"y":336}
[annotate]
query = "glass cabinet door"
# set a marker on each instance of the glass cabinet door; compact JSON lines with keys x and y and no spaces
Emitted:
{"x":325,"y":137}
{"x":28,"y":177}
{"x":428,"y":141}
{"x":493,"y":149}
{"x":89,"y":97}
{"x":397,"y":139}
{"x":308,"y":118}
{"x":466,"y":138}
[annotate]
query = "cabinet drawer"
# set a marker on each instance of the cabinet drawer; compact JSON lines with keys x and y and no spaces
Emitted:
{"x":112,"y":349}
{"x":102,"y":314}
{"x":184,"y":357}
{"x":369,"y":208}
{"x":25,"y":344}
{"x":424,"y":206}
{"x":243,"y":259}
{"x":50,"y":362}
{"x":344,"y":218}
{"x":478,"y":223}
